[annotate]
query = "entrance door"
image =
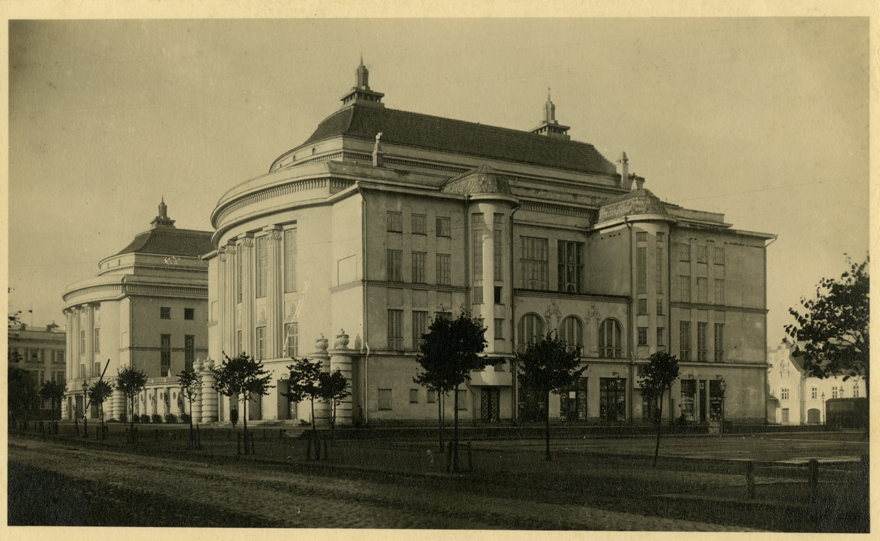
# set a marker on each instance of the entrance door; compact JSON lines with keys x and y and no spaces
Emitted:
{"x":573,"y":401}
{"x":490,"y":404}
{"x":612,"y":399}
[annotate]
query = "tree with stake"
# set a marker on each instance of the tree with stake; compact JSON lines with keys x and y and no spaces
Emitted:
{"x":131,"y":381}
{"x":448,"y":353}
{"x":832,"y":333}
{"x":190,"y":383}
{"x":658,"y":376}
{"x":54,"y":392}
{"x":98,"y":394}
{"x":334,"y":389}
{"x":548,"y":366}
{"x":304,"y":383}
{"x":245,"y":377}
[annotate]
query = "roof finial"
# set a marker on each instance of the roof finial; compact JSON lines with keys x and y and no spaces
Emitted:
{"x":163,"y":208}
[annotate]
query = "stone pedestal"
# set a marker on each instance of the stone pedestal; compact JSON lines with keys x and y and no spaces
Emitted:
{"x":209,"y":395}
{"x":197,"y":400}
{"x":117,"y":404}
{"x":340,"y":358}
{"x":322,"y":409}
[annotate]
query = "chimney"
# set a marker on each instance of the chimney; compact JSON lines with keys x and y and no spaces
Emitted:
{"x":625,"y":180}
{"x":640,"y":182}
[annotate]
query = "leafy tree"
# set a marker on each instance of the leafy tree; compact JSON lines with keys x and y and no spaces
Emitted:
{"x":448,"y":353}
{"x":658,"y":376}
{"x":548,"y":366}
{"x":304,"y":383}
{"x":190,"y":383}
{"x":54,"y":392}
{"x":334,"y":389}
{"x":99,"y":393}
{"x":831,"y":332}
{"x":22,"y":393}
{"x":130,"y":381}
{"x":242,"y":376}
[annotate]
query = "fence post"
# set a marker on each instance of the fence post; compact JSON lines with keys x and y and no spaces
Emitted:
{"x":750,"y":480}
{"x":814,"y":480}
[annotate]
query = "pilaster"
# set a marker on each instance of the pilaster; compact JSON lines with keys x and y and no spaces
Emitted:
{"x":246,"y":252}
{"x":274,"y":304}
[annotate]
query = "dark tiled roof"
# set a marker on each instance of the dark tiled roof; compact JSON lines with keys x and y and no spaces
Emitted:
{"x":631,"y":203}
{"x":170,"y":241}
{"x":482,"y":180}
{"x":457,"y":136}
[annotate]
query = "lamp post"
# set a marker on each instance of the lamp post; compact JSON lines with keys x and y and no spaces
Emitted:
{"x":722,"y":386}
{"x":85,"y":388}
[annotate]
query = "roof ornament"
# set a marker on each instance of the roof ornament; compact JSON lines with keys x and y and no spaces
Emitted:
{"x":162,"y":220}
{"x":377,"y":151}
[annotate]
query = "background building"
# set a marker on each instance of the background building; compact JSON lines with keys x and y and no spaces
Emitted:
{"x":40,"y":351}
{"x":146,"y":308}
{"x":384,"y":218}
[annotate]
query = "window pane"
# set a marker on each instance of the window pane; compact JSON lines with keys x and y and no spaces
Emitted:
{"x":395,"y":222}
{"x":443,"y":271}
{"x":419,"y":275}
{"x":291,"y":339}
{"x":534,"y":266}
{"x":395,"y":329}
{"x":419,"y":224}
{"x":443,"y":227}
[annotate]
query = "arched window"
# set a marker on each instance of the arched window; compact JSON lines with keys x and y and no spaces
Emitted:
{"x":609,"y":339}
{"x":572,"y":332}
{"x":531,"y":328}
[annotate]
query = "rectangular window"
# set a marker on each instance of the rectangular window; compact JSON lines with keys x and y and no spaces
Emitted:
{"x":395,"y":329}
{"x":784,"y":394}
{"x":96,"y":371}
{"x":262,"y":267}
{"x":419,"y":224}
{"x":462,"y":398}
{"x":97,"y":340}
{"x":661,"y":337}
{"x":413,"y":396}
{"x":82,"y":342}
{"x":498,"y":291}
{"x":643,"y":336}
{"x":642,"y":306}
{"x":82,"y":371}
{"x":189,"y":351}
{"x":719,"y":342}
{"x":432,"y":396}
{"x":394,"y":265}
{"x":684,"y":288}
{"x":719,"y":291}
{"x":289,"y":260}
{"x":658,"y":271}
{"x":291,"y":339}
{"x":719,"y":256}
{"x":660,"y":306}
{"x":444,"y":228}
{"x":684,"y":340}
{"x":261,"y":343}
{"x":702,"y":254}
{"x":498,"y":247}
{"x":785,"y":415}
{"x":165,"y":353}
{"x":477,"y":226}
{"x":855,"y":389}
{"x":684,"y":252}
{"x":59,"y":357}
{"x":641,"y":269}
{"x":384,"y":399}
{"x":419,"y":327}
{"x":641,"y":236}
{"x":661,"y":237}
{"x":419,"y":276}
{"x":189,"y":313}
{"x":164,"y":312}
{"x":571,"y":266}
{"x":702,"y":290}
{"x":534,"y":263}
{"x":702,"y":341}
{"x":444,"y":277}
{"x":395,"y":222}
{"x":834,"y":392}
{"x":813,"y":393}
{"x":499,"y":329}
{"x":239,"y":342}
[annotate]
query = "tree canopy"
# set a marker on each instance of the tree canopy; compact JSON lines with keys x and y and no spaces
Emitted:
{"x":242,"y":376}
{"x":130,"y":381}
{"x":831,"y":332}
{"x":303,"y":382}
{"x":657,"y":377}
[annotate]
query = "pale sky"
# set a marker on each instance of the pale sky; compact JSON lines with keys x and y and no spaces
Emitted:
{"x":762,"y":119}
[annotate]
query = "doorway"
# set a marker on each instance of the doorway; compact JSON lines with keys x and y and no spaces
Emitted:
{"x":490,"y":404}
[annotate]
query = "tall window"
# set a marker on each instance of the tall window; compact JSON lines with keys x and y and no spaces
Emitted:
{"x":164,"y":312}
{"x":661,"y":338}
{"x":643,"y":336}
{"x":262,"y":267}
{"x":531,"y":328}
{"x":642,"y":236}
{"x":289,"y":260}
{"x":419,"y":276}
{"x":499,"y":329}
{"x":533,"y":263}
{"x":413,"y":396}
{"x":96,"y":371}
{"x":261,"y":343}
{"x":291,"y":339}
{"x":659,"y":306}
{"x":97,"y":340}
{"x":384,"y":399}
{"x":394,"y":265}
{"x":395,"y":222}
{"x":419,"y":327}
{"x":719,"y":342}
{"x":239,"y":342}
{"x":658,"y":270}
{"x":684,"y":252}
{"x":684,"y":288}
{"x":609,"y":339}
{"x":443,"y":272}
{"x":419,"y":224}
{"x":82,"y":342}
{"x":165,"y":355}
{"x":855,"y":389}
{"x":702,"y":290}
{"x":641,"y":269}
{"x":395,"y":329}
{"x":719,"y":291}
{"x":784,"y":394}
{"x":642,"y":306}
{"x":477,"y":226}
{"x":684,"y":340}
{"x":444,"y":229}
{"x":702,"y":341}
{"x":498,"y":244}
{"x":834,"y":392}
{"x":571,"y":331}
{"x":719,"y":256}
{"x":189,"y":351}
{"x":702,"y":254}
{"x":571,"y":266}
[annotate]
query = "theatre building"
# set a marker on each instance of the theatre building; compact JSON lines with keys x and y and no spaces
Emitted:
{"x":382,"y":219}
{"x":146,"y":308}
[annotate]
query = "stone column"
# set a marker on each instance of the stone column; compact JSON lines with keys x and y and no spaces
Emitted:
{"x":322,"y":409}
{"x":340,"y":358}
{"x":75,"y":356}
{"x":197,"y":401}
{"x":209,"y":395}
{"x":246,"y":252}
{"x":90,"y":340}
{"x":275,"y":296}
{"x":228,"y":313}
{"x":117,"y":404}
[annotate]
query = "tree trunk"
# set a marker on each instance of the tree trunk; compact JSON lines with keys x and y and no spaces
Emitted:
{"x":440,"y":418}
{"x":547,"y":427}
{"x":659,"y":422}
{"x":244,"y":421}
{"x":192,"y":435}
{"x":455,"y":437}
{"x":131,"y":414}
